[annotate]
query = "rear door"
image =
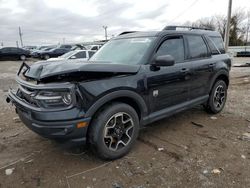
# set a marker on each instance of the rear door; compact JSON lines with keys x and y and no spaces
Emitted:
{"x":169,"y":86}
{"x":202,"y":65}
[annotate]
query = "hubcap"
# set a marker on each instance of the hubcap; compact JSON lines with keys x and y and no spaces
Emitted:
{"x":118,"y":131}
{"x":22,"y":57}
{"x":219,"y":97}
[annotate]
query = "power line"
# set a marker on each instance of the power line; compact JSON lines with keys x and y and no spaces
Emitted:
{"x":185,"y":10}
{"x":63,"y":33}
{"x":51,"y":32}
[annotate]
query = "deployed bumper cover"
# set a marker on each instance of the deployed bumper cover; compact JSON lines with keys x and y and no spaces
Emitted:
{"x":50,"y":124}
{"x":59,"y":124}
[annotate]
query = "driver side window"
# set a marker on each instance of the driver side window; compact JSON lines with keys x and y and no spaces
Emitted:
{"x":174,"y":47}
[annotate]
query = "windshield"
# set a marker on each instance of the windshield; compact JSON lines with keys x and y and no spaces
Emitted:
{"x":124,"y":51}
{"x":67,"y":55}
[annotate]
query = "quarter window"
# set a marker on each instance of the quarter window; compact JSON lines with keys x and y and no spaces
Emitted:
{"x":219,"y":43}
{"x":197,"y":47}
{"x":173,"y":47}
{"x":91,"y":54}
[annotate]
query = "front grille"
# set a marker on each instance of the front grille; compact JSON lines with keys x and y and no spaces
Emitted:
{"x":27,"y":94}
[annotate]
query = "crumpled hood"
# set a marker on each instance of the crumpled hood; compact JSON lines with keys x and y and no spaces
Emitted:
{"x":44,"y":70}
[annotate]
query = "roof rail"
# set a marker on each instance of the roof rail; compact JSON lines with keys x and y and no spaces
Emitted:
{"x":174,"y":27}
{"x":127,"y":32}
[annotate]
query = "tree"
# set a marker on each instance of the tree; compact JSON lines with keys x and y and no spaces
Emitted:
{"x":208,"y":23}
{"x":218,"y":23}
{"x":236,"y":29}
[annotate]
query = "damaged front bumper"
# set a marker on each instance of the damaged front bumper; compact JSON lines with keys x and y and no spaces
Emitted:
{"x":61,"y":124}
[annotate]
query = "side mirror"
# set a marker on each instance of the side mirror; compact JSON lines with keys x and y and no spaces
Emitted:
{"x":164,"y":60}
{"x":73,"y":57}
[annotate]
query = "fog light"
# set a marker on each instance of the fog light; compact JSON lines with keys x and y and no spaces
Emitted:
{"x":67,"y":99}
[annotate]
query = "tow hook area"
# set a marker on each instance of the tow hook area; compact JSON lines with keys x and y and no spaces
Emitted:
{"x":8,"y":100}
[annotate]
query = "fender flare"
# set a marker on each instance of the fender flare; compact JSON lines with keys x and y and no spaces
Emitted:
{"x":219,"y":73}
{"x":117,"y":94}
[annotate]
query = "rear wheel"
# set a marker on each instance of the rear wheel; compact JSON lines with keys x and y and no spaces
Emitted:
{"x":46,"y":56}
{"x":22,"y":57}
{"x":217,"y":98}
{"x":114,"y":131}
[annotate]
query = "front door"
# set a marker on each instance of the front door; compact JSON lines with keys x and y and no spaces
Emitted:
{"x":169,"y":86}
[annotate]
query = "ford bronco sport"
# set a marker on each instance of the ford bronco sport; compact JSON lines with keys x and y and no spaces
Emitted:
{"x":133,"y":80}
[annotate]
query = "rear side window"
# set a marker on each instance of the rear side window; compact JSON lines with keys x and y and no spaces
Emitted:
{"x":215,"y":44}
{"x":66,"y":46}
{"x":94,"y":48}
{"x":197,"y":47}
{"x":80,"y":55}
{"x":6,"y":50}
{"x":173,"y":47}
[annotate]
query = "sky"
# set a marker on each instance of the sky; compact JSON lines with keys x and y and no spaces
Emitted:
{"x":46,"y":22}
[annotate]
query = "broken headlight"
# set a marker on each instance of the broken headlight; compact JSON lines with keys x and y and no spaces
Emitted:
{"x":54,"y":98}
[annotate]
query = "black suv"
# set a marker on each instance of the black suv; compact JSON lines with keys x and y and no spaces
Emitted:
{"x":133,"y":80}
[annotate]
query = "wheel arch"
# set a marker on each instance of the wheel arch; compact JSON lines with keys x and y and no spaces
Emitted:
{"x":221,"y":75}
{"x":125,"y":96}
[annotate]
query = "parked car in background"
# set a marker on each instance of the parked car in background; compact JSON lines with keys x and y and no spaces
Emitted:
{"x":243,"y":54}
{"x":75,"y":55}
{"x":30,"y":48}
{"x":39,"y":48}
{"x":65,"y":46}
{"x":37,"y":53}
{"x":55,"y":52}
{"x":94,"y":47}
{"x":78,"y":47}
{"x":13,"y":53}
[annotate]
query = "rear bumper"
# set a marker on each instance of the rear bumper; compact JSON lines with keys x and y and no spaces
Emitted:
{"x":58,"y":125}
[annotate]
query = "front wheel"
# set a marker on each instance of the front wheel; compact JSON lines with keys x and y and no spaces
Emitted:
{"x":114,"y":131}
{"x":217,"y":98}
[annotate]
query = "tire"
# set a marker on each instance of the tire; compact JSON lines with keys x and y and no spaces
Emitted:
{"x":108,"y":136}
{"x":46,"y":57}
{"x":22,"y":57}
{"x":217,"y":97}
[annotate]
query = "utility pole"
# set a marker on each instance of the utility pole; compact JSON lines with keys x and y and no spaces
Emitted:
{"x":226,"y":37}
{"x":106,"y":34}
{"x":248,"y":24}
{"x":17,"y":44}
{"x":20,"y":35}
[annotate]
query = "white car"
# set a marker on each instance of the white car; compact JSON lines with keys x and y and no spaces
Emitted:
{"x":75,"y":55}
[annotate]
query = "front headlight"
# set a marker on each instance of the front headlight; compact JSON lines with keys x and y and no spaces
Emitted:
{"x":54,"y":98}
{"x":67,"y":98}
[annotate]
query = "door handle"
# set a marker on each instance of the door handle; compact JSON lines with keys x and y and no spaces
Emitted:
{"x":184,"y":70}
{"x":211,"y":65}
